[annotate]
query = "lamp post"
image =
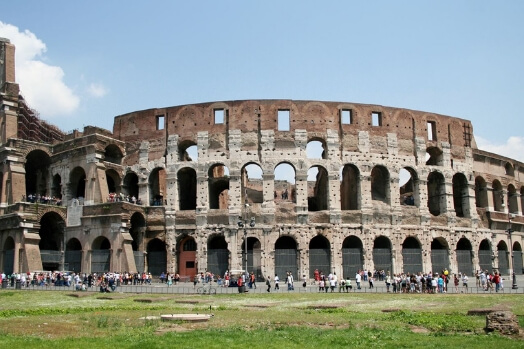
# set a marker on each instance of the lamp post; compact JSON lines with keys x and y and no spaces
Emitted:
{"x":242,"y":223}
{"x":509,"y":231}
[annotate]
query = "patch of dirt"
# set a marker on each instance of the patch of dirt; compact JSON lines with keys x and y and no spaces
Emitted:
{"x":151,"y":300}
{"x":175,"y":328}
{"x":418,"y":329}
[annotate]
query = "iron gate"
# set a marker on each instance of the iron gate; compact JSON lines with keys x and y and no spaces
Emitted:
{"x":9,"y":259}
{"x":218,"y":261}
{"x":251,"y":265}
{"x":517,"y":262}
{"x":73,"y":261}
{"x":139,"y":261}
{"x":464,"y":262}
{"x":439,"y":260}
{"x":319,"y":258}
{"x":382,"y":259}
{"x":100,"y":261}
{"x":156,"y":262}
{"x":351,"y":262}
{"x":285,"y":260}
{"x":503,"y":262}
{"x":485,"y":262}
{"x":412,"y":259}
{"x":51,"y":259}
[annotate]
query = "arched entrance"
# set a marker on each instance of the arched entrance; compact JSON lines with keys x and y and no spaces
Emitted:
{"x":319,"y":256}
{"x":187,"y":257}
{"x":187,"y":189}
{"x":412,"y":256}
{"x":439,"y":255}
{"x":217,"y":255}
{"x":156,"y":257}
{"x":9,"y":255}
{"x":485,"y":261}
{"x":77,"y":180}
{"x":137,"y":231}
{"x":254,"y":257}
{"x":503,"y":257}
{"x":37,"y":172}
{"x":352,"y":256}
{"x":382,"y":254}
{"x":101,"y":255}
{"x":464,"y":258}
{"x":286,"y":257}
{"x":517,"y":259}
{"x":73,"y":256}
{"x":51,"y":241}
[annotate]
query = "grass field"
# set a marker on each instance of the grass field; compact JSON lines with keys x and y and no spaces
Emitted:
{"x":33,"y":319}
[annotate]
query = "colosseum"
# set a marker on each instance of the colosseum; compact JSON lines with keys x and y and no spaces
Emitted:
{"x":271,"y":185}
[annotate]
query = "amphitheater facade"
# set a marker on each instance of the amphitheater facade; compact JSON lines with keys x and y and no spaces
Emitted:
{"x":299,"y":185}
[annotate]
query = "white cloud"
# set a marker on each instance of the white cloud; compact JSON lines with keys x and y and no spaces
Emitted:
{"x":97,"y":90}
{"x":41,"y":84}
{"x":513,"y":148}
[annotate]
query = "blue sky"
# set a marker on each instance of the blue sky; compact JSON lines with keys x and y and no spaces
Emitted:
{"x":83,"y":63}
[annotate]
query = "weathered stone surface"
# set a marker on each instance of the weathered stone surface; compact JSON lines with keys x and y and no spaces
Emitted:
{"x":503,"y":321}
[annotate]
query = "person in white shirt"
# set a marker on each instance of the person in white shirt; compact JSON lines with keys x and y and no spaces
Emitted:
{"x":358,"y":278}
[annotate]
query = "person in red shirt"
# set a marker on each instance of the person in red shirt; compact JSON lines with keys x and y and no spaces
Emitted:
{"x":496,"y":281}
{"x":240,"y":284}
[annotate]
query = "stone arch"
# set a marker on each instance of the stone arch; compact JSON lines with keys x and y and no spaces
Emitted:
{"x":286,"y":257}
{"x":439,"y":255}
{"x":37,"y":165}
{"x":316,"y":148}
{"x":187,"y":263}
{"x":518,"y":266}
{"x":319,"y":255}
{"x":113,"y":154}
{"x":485,"y":256}
{"x":254,"y":257}
{"x":77,"y":182}
{"x":113,"y":181}
{"x":137,"y":231}
{"x":218,"y":184}
{"x":100,"y":255}
{"x":350,"y":188}
{"x":481,"y":192}
{"x":498,"y":196}
{"x":252,"y":183}
{"x":509,"y":169}
{"x":380,"y":184}
{"x":284,"y":183}
{"x":59,"y":212}
{"x":73,"y":255}
{"x":9,"y":255}
{"x":503,"y":257}
{"x":513,"y":206}
{"x":318,"y":189}
{"x":56,"y":188}
{"x":188,"y":150}
{"x":352,"y":256}
{"x":412,"y":255}
{"x":461,"y":195}
{"x":464,"y":257}
{"x":436,"y":193}
{"x":51,"y":241}
{"x":187,"y":189}
{"x":382,"y":256}
{"x":157,"y":186}
{"x":434,"y":156}
{"x":217,"y":255}
{"x":409,"y":187}
{"x":130,"y":185}
{"x":156,"y":257}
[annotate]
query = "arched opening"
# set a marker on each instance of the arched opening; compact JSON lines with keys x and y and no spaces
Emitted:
{"x":434,"y":156}
{"x":510,"y":171}
{"x":436,"y":193}
{"x":316,"y":149}
{"x":319,"y":255}
{"x":513,"y":205}
{"x":137,"y":232}
{"x":217,"y":255}
{"x":56,"y":189}
{"x":254,"y":257}
{"x":218,"y":183}
{"x":380,"y":184}
{"x":464,"y":257}
{"x":412,"y":256}
{"x":9,"y":255}
{"x":382,"y":255}
{"x":503,"y":258}
{"x":113,"y":184}
{"x":317,"y":189}
{"x":485,"y":253}
{"x":408,"y":184}
{"x":156,"y":257}
{"x":113,"y":154}
{"x":481,"y":193}
{"x":350,"y":188}
{"x":51,"y":241}
{"x":188,"y":151}
{"x":73,"y":256}
{"x":130,"y":187}
{"x":157,"y":187}
{"x":37,"y":172}
{"x":518,"y":266}
{"x":187,"y":189}
{"x":100,"y":255}
{"x":284,"y":185}
{"x":498,"y":196}
{"x":461,"y":195}
{"x":439,"y":255}
{"x":352,"y":256}
{"x":187,"y":248}
{"x":77,"y":180}
{"x":252,"y":184}
{"x":286,"y":256}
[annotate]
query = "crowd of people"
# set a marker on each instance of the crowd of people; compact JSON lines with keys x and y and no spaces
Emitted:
{"x":42,"y":199}
{"x":120,"y":197}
